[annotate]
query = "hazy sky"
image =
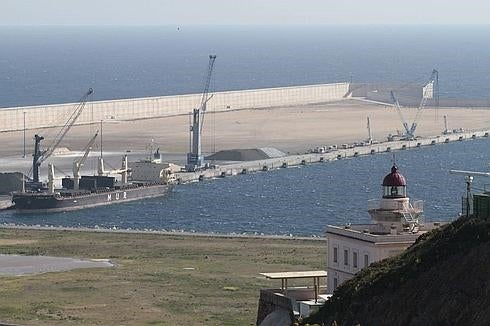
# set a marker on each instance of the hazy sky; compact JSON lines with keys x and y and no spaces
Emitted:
{"x":248,"y":12}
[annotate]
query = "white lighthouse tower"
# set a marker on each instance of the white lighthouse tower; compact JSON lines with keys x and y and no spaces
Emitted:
{"x":395,"y":208}
{"x":396,"y":224}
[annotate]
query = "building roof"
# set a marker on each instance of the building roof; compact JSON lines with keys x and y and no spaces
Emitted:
{"x":394,"y":179}
{"x":379,"y":233}
{"x":288,"y":275}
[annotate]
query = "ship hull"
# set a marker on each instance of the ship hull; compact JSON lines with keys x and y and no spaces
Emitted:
{"x":42,"y":202}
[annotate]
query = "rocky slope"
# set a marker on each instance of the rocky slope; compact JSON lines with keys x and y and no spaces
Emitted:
{"x":443,"y":279}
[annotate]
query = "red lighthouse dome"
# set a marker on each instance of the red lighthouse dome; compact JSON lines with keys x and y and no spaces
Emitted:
{"x":394,"y":179}
{"x":394,"y":184}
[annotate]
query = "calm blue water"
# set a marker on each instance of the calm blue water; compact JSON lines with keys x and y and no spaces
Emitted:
{"x":299,"y":201}
{"x":53,"y":65}
{"x":40,"y":65}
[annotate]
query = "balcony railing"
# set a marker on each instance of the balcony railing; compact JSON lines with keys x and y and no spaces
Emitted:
{"x":414,"y":205}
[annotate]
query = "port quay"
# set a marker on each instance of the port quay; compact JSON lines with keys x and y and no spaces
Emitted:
{"x":338,"y":154}
{"x":42,"y":116}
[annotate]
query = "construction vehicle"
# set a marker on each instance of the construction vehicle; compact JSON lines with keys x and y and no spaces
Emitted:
{"x":429,"y":89}
{"x":195,"y":159}
{"x":40,"y":156}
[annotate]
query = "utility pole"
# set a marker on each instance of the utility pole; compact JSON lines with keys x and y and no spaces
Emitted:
{"x":24,"y":155}
{"x":469,"y":180}
{"x":101,"y":137}
{"x":370,"y":138}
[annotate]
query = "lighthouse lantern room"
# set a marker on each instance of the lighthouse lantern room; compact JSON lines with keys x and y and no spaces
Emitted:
{"x":395,"y":207}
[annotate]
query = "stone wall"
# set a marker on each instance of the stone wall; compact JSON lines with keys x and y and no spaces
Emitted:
{"x":143,"y":108}
{"x":269,"y":302}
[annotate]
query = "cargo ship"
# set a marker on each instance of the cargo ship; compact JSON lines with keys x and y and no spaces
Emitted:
{"x":67,"y":199}
{"x":142,"y":179}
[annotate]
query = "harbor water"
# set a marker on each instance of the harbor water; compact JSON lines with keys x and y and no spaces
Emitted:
{"x":56,"y":64}
{"x":297,"y":201}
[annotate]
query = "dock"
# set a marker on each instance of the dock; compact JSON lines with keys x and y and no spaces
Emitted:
{"x":338,"y":154}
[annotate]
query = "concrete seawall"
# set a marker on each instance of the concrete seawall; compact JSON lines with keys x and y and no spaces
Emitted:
{"x":294,"y":160}
{"x":41,"y":116}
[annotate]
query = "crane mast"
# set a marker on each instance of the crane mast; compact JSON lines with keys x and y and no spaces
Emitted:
{"x":430,"y":91}
{"x":195,"y":159}
{"x":39,"y":155}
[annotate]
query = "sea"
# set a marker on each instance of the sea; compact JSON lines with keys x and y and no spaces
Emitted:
{"x":45,"y":65}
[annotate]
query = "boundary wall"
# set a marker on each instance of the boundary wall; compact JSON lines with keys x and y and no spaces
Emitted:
{"x":143,"y":108}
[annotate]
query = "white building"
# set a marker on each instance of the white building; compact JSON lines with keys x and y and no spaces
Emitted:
{"x":396,"y":225}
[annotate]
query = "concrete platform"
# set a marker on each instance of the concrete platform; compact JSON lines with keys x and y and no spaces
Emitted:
{"x":293,"y":160}
{"x":13,"y":265}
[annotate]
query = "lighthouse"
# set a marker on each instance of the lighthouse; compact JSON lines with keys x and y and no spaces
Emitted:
{"x":396,"y":224}
{"x":395,"y":208}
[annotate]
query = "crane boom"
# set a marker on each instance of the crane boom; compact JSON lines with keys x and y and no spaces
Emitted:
{"x":205,"y":99}
{"x":195,"y":159}
{"x":399,"y":111}
{"x":40,"y":156}
{"x":68,"y":124}
{"x":77,"y":164}
{"x":428,"y":93}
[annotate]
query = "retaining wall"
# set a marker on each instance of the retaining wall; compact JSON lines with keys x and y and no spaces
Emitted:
{"x":143,"y":108}
{"x":270,"y":301}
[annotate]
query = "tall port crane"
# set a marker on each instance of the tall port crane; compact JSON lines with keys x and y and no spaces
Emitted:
{"x":195,"y":159}
{"x":429,"y":89}
{"x":39,"y":155}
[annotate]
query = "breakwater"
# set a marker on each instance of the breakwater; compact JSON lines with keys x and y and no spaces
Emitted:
{"x":44,"y":116}
{"x":338,"y":154}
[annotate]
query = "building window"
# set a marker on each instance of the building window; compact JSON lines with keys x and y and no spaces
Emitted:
{"x":335,"y":283}
{"x":366,"y":260}
{"x":354,"y":259}
{"x":346,"y":257}
{"x":335,"y":255}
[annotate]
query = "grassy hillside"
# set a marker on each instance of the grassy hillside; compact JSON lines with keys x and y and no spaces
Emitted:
{"x":157,"y":279}
{"x":443,"y":279}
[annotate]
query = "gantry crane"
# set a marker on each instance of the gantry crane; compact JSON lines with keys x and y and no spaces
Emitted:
{"x":195,"y":159}
{"x":430,"y":88}
{"x":39,"y":155}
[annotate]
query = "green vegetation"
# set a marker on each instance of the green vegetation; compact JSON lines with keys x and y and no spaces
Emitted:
{"x":443,"y":279}
{"x":158,"y":279}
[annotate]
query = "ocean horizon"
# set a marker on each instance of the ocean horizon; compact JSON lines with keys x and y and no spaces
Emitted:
{"x":48,"y":65}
